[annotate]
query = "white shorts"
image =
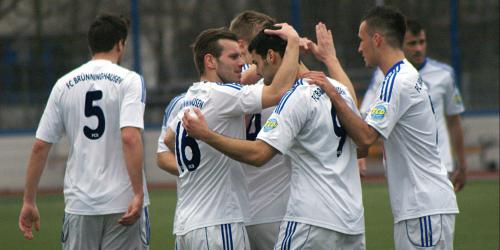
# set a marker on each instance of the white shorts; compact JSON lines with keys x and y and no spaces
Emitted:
{"x":103,"y":232}
{"x":263,"y":236}
{"x":427,"y":232}
{"x":224,"y":237}
{"x":295,"y":235}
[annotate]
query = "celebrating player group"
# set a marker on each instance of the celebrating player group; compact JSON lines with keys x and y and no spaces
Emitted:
{"x":265,"y":150}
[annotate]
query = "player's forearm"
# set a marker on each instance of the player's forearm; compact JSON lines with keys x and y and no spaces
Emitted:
{"x":337,"y":72}
{"x":166,"y":161}
{"x":285,"y":76}
{"x":457,"y":138}
{"x":239,"y":150}
{"x":133,"y":153}
{"x":36,"y":164}
{"x":358,"y":130}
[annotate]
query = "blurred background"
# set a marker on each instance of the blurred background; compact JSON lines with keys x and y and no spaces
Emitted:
{"x":42,"y":40}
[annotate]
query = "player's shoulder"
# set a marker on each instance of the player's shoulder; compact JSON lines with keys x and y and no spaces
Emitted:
{"x":433,"y":66}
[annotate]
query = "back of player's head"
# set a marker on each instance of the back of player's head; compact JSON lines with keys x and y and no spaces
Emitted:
{"x":207,"y":42}
{"x":413,"y":26}
{"x":264,"y":42}
{"x":387,"y":21}
{"x":248,"y":23}
{"x":106,"y":31}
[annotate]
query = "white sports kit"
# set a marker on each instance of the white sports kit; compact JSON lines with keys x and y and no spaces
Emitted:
{"x":445,"y":96}
{"x":268,"y":190}
{"x":403,"y":115}
{"x":210,"y":187}
{"x":325,"y":186}
{"x":91,"y":104}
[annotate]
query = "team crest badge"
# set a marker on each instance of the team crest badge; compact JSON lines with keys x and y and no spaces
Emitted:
{"x":378,"y":112}
{"x":270,"y":124}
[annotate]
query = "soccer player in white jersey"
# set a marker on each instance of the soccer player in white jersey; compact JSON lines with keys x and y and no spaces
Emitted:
{"x":100,"y":107}
{"x":212,"y":195}
{"x":325,"y":209}
{"x":445,"y":96}
{"x":268,"y":187}
{"x":422,"y":199}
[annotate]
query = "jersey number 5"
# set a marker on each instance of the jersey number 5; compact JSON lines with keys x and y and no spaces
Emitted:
{"x":182,"y":143}
{"x":91,"y":110}
{"x":339,"y":131}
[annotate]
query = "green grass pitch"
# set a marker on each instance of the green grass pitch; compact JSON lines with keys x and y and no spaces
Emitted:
{"x":477,"y":225}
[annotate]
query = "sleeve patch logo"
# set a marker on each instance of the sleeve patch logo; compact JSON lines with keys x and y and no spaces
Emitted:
{"x":270,"y":124}
{"x":378,"y":112}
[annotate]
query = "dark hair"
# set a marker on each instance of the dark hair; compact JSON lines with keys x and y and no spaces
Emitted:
{"x":248,"y":23}
{"x":106,"y":31}
{"x":264,"y":42}
{"x":207,"y":43}
{"x":413,"y":26}
{"x":387,"y":21}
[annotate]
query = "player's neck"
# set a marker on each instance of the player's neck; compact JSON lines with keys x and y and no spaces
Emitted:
{"x":106,"y":56}
{"x":389,"y":58}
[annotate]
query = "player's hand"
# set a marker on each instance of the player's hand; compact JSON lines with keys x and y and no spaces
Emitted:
{"x":324,"y":49}
{"x":458,"y":179}
{"x":28,"y":217}
{"x":286,"y":31}
{"x":362,"y":167}
{"x":319,"y":78}
{"x":195,"y":124}
{"x":304,"y":45}
{"x":133,"y":212}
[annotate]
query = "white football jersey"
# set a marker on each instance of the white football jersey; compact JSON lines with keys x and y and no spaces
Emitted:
{"x":91,"y":104}
{"x":325,"y":187}
{"x":171,"y":111}
{"x":212,"y":187}
{"x":403,"y":115}
{"x":446,"y":100}
{"x":268,"y":185}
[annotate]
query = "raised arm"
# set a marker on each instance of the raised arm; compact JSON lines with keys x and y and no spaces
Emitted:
{"x":287,"y":72}
{"x":256,"y":152}
{"x":325,"y":52}
{"x":133,"y":153}
{"x":29,"y":214}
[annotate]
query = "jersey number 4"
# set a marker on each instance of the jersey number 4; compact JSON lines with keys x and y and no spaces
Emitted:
{"x":91,"y":110}
{"x":186,"y":145}
{"x":339,"y":131}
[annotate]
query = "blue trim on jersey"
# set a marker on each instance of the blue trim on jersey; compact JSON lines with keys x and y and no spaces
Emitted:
{"x":236,"y":86}
{"x":388,"y":84}
{"x":170,"y":107}
{"x":143,"y":94}
{"x":422,"y":65}
{"x":285,"y":97}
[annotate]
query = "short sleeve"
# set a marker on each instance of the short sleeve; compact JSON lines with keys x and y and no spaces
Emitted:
{"x":236,"y":99}
{"x":51,"y":126}
{"x":385,"y":112}
{"x":453,"y":100}
{"x":286,"y":121}
{"x":170,"y":111}
{"x":133,"y":102}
